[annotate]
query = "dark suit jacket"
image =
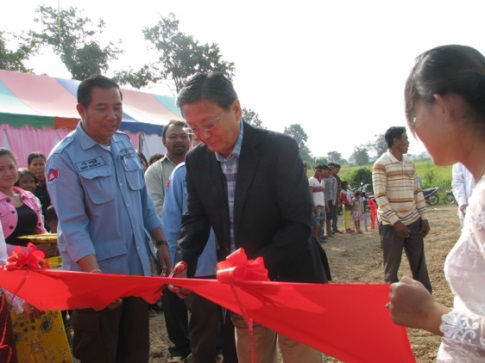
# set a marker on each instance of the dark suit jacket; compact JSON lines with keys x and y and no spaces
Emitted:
{"x":272,"y":208}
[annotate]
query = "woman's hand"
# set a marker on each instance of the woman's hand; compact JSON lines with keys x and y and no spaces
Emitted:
{"x":413,"y":306}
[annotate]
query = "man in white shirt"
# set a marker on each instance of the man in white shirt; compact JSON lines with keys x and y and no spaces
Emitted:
{"x":462,"y":185}
{"x":177,"y":142}
{"x":317,"y":188}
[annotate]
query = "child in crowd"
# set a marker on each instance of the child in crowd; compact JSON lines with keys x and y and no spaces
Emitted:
{"x":51,"y":219}
{"x":346,"y":199}
{"x":26,"y":180}
{"x":357,"y":210}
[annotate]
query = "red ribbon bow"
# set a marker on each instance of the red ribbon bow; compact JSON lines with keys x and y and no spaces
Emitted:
{"x":29,"y":258}
{"x":236,"y":267}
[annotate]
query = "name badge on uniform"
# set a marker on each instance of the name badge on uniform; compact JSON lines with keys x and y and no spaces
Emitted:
{"x":90,"y":164}
{"x":127,"y":152}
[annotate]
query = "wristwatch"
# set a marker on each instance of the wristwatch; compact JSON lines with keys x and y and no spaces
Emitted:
{"x":161,"y":243}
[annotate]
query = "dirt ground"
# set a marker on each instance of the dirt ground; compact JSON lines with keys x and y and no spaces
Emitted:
{"x":358,"y":259}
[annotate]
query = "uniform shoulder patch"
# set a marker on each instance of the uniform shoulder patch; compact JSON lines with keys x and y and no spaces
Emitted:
{"x":52,"y":175}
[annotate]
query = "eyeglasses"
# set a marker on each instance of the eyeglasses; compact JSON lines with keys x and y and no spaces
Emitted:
{"x":207,"y":127}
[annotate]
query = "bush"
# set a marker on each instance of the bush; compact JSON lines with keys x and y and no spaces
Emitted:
{"x":429,"y":178}
{"x":361,"y":176}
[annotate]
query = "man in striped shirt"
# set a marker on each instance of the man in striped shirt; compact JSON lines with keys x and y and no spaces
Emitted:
{"x":401,"y":212}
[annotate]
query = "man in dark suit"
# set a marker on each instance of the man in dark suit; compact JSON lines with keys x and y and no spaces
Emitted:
{"x":249,"y":185}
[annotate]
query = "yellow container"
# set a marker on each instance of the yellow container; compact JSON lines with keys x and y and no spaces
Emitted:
{"x":42,"y":339}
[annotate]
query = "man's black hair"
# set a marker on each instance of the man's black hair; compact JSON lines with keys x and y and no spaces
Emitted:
{"x":85,"y":88}
{"x":172,"y":123}
{"x":392,"y":133}
{"x":213,"y":87}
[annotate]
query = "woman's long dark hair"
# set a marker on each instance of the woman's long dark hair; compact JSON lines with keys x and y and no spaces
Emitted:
{"x":449,"y":69}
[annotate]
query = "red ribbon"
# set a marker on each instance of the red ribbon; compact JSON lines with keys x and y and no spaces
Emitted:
{"x":236,"y":268}
{"x":30,"y":258}
{"x":3,"y":339}
{"x":348,"y":322}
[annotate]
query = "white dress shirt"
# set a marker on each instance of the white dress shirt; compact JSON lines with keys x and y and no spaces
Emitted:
{"x":462,"y":185}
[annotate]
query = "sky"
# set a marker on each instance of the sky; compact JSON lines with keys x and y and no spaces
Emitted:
{"x":338,"y":68}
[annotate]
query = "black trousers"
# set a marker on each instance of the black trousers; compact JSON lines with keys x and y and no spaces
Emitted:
{"x":109,"y":336}
{"x":392,"y":246}
{"x":176,"y":322}
{"x":210,"y":332}
{"x":334,"y":213}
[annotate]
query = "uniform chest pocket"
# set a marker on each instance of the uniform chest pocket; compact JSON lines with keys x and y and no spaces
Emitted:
{"x":98,"y":184}
{"x":133,"y":172}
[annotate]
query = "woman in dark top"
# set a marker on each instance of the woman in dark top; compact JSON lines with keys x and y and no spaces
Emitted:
{"x":19,"y":210}
{"x":36,"y":164}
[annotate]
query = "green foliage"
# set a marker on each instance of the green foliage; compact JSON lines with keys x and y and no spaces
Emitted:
{"x":360,"y":156}
{"x":252,"y":118}
{"x":429,"y":177}
{"x":14,"y":60}
{"x":335,"y":157}
{"x":136,"y":78}
{"x":434,"y":175}
{"x":378,"y":146}
{"x":297,"y":132}
{"x":75,"y":39}
{"x":440,"y":175}
{"x":321,"y":160}
{"x":360,"y":177}
{"x":180,"y":55}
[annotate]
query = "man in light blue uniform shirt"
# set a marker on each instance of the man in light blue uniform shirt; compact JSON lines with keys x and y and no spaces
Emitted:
{"x":174,"y":206}
{"x":206,"y":319}
{"x":106,"y":217}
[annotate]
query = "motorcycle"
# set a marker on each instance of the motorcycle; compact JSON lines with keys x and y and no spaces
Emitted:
{"x":431,"y":195}
{"x":450,"y":198}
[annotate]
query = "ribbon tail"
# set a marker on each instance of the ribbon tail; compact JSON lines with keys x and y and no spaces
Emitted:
{"x":249,"y":323}
{"x":3,"y":305}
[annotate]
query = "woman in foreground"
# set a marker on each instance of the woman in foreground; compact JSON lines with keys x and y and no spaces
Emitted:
{"x":445,"y":107}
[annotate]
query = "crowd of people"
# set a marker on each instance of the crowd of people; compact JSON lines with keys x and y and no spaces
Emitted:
{"x":331,"y":197}
{"x":224,"y":184}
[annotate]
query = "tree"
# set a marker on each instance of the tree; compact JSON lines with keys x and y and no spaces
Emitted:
{"x":360,"y":177}
{"x":75,"y":39}
{"x":300,"y":136}
{"x":252,"y":118}
{"x":321,"y":160}
{"x":360,"y":156}
{"x":180,"y":55}
{"x":378,"y":146}
{"x":335,"y":157}
{"x":14,"y":60}
{"x":136,"y":78}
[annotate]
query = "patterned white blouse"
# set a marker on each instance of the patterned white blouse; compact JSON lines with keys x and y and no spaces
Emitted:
{"x":464,"y":327}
